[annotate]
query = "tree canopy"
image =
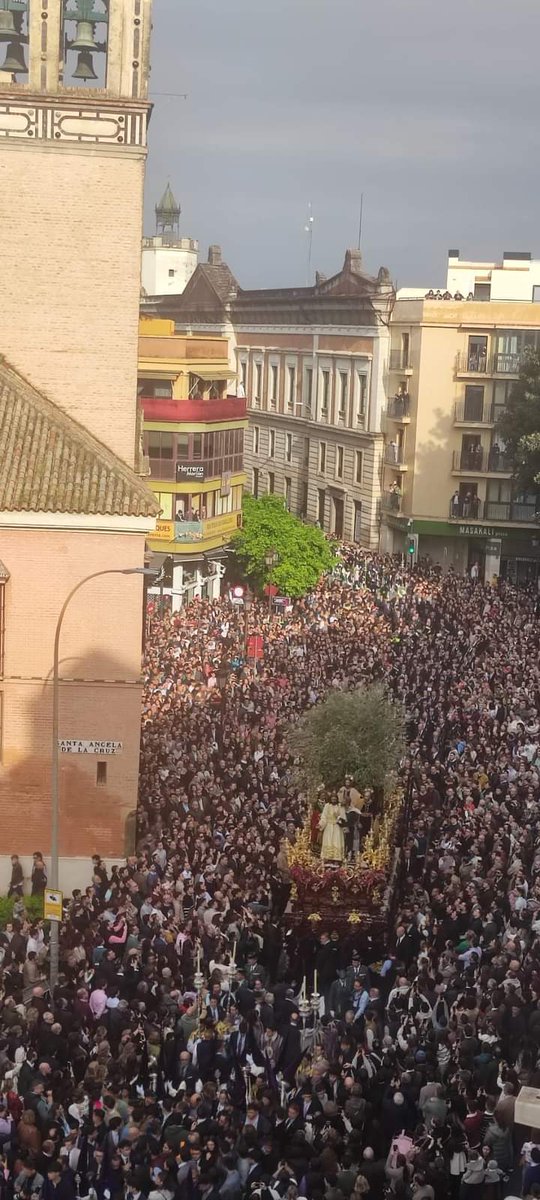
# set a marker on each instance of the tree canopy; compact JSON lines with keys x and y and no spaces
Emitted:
{"x":303,"y":551}
{"x":358,"y":733}
{"x":519,"y":424}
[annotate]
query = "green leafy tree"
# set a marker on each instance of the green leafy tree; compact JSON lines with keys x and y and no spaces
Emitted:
{"x":303,"y":551}
{"x":358,"y":733}
{"x":519,"y":424}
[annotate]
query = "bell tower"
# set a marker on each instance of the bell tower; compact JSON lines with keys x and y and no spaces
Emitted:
{"x":74,"y":114}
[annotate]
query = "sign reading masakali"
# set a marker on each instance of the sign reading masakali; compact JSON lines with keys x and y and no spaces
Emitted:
{"x":76,"y":746}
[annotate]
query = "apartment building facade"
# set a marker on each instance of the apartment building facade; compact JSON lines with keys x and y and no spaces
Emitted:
{"x":453,"y":362}
{"x":311,"y":362}
{"x":194,"y":440}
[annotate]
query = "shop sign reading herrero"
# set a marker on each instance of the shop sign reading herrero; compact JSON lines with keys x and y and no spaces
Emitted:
{"x":77,"y":746}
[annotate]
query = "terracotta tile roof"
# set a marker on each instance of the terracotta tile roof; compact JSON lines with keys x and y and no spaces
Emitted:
{"x":51,"y":463}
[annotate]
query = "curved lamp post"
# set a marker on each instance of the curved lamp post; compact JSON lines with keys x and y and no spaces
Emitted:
{"x":54,"y":939}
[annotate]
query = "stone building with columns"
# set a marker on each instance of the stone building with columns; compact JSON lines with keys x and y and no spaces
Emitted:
{"x":73,"y":138}
{"x":312,"y":362}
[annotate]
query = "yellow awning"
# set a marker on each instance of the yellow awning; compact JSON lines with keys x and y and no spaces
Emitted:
{"x":214,"y":373}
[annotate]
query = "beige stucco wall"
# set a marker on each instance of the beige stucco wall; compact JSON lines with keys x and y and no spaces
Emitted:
{"x":100,"y":655}
{"x":71,"y":220}
{"x":433,"y":429}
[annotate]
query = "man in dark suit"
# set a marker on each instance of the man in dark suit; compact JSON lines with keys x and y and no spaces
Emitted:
{"x":244,"y":996}
{"x":309,"y":1105}
{"x":293,"y":1123}
{"x":241,"y":1043}
{"x":407,"y":944}
{"x":355,"y":970}
{"x":327,"y":963}
{"x":291,"y":1052}
{"x":255,"y":1169}
{"x":186,"y":1072}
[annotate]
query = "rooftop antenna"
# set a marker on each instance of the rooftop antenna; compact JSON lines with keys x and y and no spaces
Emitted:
{"x":308,"y":228}
{"x":360,"y":221}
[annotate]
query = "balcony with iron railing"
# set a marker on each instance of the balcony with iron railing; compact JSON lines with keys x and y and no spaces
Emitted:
{"x":467,"y":412}
{"x":394,"y":456}
{"x":469,"y":363}
{"x":495,"y":511}
{"x":507,"y":364}
{"x":209,"y":527}
{"x":226,"y":408}
{"x":399,"y":408}
{"x":481,"y":462}
{"x":391,"y":502}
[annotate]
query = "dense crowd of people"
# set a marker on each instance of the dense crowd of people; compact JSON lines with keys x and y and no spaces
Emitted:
{"x":171,"y":1062}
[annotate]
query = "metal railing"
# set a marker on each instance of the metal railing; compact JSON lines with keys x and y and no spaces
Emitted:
{"x":493,"y":510}
{"x":391,"y":502}
{"x":398,"y":408}
{"x":481,"y":461}
{"x":394,"y":456}
{"x":468,"y":413}
{"x":473,"y":364}
{"x":470,"y":363}
{"x":498,"y":510}
{"x":507,"y":364}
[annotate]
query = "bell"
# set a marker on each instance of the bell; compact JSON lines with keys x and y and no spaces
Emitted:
{"x":85,"y":66}
{"x":8,"y":32}
{"x":15,"y":61}
{"x":85,"y":39}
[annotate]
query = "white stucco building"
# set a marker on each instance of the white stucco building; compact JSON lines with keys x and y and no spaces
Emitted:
{"x":168,"y":260}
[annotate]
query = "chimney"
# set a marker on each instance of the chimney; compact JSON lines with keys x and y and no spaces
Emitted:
{"x":214,"y":256}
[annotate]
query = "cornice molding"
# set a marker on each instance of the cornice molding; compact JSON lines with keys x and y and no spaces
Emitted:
{"x":81,"y":119}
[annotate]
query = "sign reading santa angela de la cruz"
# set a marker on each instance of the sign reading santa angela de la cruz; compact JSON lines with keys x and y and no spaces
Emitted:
{"x":78,"y":746}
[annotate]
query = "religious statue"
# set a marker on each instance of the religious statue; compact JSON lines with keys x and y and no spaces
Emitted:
{"x":332,"y":825}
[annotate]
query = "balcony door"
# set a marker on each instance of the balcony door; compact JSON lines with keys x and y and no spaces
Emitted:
{"x":469,"y":503}
{"x":471,"y":452}
{"x":473,"y":408}
{"x":477,"y":352}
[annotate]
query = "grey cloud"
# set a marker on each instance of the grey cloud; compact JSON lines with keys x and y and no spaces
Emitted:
{"x":429,"y":108}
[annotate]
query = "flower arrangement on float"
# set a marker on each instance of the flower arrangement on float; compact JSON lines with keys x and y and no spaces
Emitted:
{"x":365,"y":879}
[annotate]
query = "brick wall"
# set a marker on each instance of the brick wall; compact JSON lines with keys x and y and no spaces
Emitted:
{"x":71,"y":220}
{"x":100,"y":655}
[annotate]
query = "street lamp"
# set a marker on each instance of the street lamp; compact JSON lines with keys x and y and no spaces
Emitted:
{"x":54,"y":940}
{"x":271,"y":559}
{"x":247,"y":605}
{"x":222,"y":676}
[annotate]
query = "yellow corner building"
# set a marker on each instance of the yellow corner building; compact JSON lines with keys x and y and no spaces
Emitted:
{"x":194,"y":440}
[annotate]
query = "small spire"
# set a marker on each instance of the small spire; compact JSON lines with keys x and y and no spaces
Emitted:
{"x":168,"y":214}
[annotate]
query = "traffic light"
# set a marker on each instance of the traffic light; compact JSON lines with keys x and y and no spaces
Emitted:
{"x":412,"y":548}
{"x":167,"y":572}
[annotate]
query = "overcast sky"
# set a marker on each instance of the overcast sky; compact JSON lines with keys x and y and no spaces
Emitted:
{"x":430,"y":107}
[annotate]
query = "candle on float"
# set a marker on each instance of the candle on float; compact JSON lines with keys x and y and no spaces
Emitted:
{"x":198,"y":958}
{"x":315,"y":982}
{"x":303,"y":993}
{"x":233,"y":960}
